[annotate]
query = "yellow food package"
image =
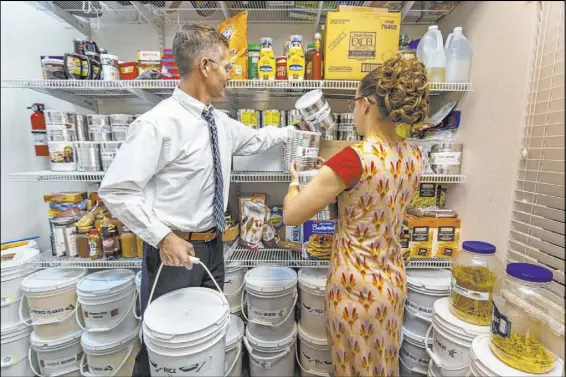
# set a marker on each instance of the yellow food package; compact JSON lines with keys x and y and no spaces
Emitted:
{"x":236,"y":30}
{"x":421,"y":234}
{"x":446,"y":235}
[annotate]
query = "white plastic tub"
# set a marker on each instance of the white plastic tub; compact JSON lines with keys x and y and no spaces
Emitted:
{"x":14,"y":350}
{"x":414,"y":354}
{"x":185,"y":333}
{"x":406,"y":371}
{"x":106,"y":301}
{"x":271,"y":358}
{"x":234,"y":285}
{"x":314,"y":355}
{"x":111,"y":353}
{"x":138,"y":289}
{"x":61,"y":356}
{"x":271,"y":298}
{"x":51,"y":297}
{"x":312,"y":289}
{"x":234,"y":336}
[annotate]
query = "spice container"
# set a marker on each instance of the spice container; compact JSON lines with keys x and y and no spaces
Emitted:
{"x":99,"y":128}
{"x":445,"y":158}
{"x":95,"y":245}
{"x":82,"y":242}
{"x":110,"y":67}
{"x":128,"y":243}
{"x":527,"y":330}
{"x":253,"y":58}
{"x":308,"y":61}
{"x":281,"y":68}
{"x":474,"y":274}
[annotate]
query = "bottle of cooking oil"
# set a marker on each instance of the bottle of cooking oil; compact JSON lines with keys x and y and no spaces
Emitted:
{"x":266,"y":62}
{"x":296,"y":59}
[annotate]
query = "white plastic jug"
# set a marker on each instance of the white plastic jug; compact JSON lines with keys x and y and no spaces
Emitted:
{"x":458,"y":56}
{"x":431,"y":52}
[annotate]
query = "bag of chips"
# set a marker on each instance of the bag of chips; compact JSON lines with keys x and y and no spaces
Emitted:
{"x":236,"y":30}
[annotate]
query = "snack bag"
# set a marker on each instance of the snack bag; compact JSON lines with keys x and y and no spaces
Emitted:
{"x":251,"y":227}
{"x":236,"y":30}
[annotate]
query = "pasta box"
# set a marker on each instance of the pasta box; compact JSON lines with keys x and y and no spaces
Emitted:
{"x":317,"y":238}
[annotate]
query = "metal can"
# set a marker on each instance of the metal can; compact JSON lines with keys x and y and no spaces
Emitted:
{"x":249,"y":117}
{"x":99,"y":128}
{"x":88,"y":157}
{"x":281,"y":68}
{"x":445,"y":158}
{"x":82,"y":128}
{"x":61,"y":150}
{"x":316,"y":111}
{"x":273,"y":117}
{"x":64,"y":236}
{"x":107,"y":153}
{"x":119,"y":123}
{"x":294,"y":117}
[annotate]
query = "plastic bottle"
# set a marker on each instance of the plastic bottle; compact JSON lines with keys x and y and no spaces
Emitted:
{"x":308,"y":61}
{"x":296,"y":59}
{"x":317,"y":59}
{"x":266,"y":62}
{"x":458,"y":56}
{"x":431,"y":52}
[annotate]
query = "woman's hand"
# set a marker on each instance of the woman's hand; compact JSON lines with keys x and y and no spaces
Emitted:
{"x":293,"y":172}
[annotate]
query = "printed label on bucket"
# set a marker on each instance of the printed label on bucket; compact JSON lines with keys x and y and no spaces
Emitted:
{"x":474,"y":295}
{"x":10,"y":359}
{"x":191,"y":369}
{"x":101,"y":369}
{"x":446,"y":353}
{"x":423,"y":309}
{"x":414,"y":358}
{"x":268,"y":314}
{"x":261,"y":363}
{"x":316,"y":362}
{"x":313,"y":311}
{"x":6,"y":299}
{"x":60,"y":363}
{"x":101,"y":315}
{"x":51,"y":311}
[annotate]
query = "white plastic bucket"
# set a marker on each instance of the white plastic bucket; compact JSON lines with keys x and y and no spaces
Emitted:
{"x":106,"y":301}
{"x":312,"y":289}
{"x":110,"y":354}
{"x":433,"y":370}
{"x":413,"y":353}
{"x":137,"y":280}
{"x":271,"y":298}
{"x":234,"y":335}
{"x":14,"y":350}
{"x":51,"y":297}
{"x":271,"y":358}
{"x":233,"y":285}
{"x":61,"y":356}
{"x":185,"y":333}
{"x":406,"y":371}
{"x":424,"y":288}
{"x":314,"y":355}
{"x":451,"y":340}
{"x":238,"y":313}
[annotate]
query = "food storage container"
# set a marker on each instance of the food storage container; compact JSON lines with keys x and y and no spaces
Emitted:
{"x":316,"y":111}
{"x":527,"y":330}
{"x":120,"y":123}
{"x":474,"y":273}
{"x":445,"y":158}
{"x":99,"y":128}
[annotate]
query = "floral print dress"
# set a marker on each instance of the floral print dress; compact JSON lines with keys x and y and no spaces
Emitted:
{"x":366,"y":286}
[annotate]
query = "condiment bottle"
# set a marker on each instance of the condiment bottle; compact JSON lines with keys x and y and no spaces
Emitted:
{"x":296,"y":59}
{"x":308,"y":61}
{"x":139,"y":246}
{"x":128,"y":242}
{"x":82,"y":241}
{"x":94,"y":245}
{"x":266,"y":62}
{"x":253,"y":58}
{"x":317,"y":59}
{"x":110,"y":246}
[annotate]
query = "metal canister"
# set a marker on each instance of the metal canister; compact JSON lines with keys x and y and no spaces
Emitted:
{"x":347,"y":133}
{"x":273,"y":117}
{"x":119,"y":123}
{"x":59,"y":121}
{"x":330,"y":134}
{"x":82,"y":127}
{"x":330,"y":212}
{"x":316,"y":111}
{"x":88,"y":157}
{"x":107,"y":153}
{"x":294,"y":117}
{"x":445,"y":158}
{"x":99,"y":128}
{"x":62,"y":155}
{"x":306,"y":146}
{"x":346,"y":118}
{"x":249,"y":117}
{"x":64,"y":236}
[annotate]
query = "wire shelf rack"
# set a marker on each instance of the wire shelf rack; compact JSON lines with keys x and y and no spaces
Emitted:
{"x":47,"y":260}
{"x":429,"y":263}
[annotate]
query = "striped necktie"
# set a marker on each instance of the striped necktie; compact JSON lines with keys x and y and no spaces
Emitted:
{"x":218,"y":202}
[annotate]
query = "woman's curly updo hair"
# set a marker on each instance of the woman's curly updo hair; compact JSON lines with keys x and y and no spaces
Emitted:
{"x":401,"y":89}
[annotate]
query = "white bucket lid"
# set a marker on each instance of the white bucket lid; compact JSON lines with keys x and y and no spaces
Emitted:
{"x":22,"y":255}
{"x":16,"y":332}
{"x":308,"y":99}
{"x":414,"y":339}
{"x":105,"y":281}
{"x":187,"y":311}
{"x":110,"y":340}
{"x":52,"y":279}
{"x":308,"y":338}
{"x":313,"y":278}
{"x":46,"y":345}
{"x":434,"y":281}
{"x":482,"y":355}
{"x":271,"y":279}
{"x":235,"y":331}
{"x":274,"y":344}
{"x":443,"y":313}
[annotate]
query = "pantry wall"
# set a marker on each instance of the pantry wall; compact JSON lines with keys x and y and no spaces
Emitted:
{"x":501,"y":34}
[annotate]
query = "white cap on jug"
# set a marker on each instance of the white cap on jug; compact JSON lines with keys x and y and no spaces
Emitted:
{"x":433,"y":27}
{"x":458,"y":28}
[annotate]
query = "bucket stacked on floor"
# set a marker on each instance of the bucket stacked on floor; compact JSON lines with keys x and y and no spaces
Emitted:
{"x":270,"y":296}
{"x":425,"y":287}
{"x":234,"y":288}
{"x":15,"y":334}
{"x":51,"y":296}
{"x":314,"y":353}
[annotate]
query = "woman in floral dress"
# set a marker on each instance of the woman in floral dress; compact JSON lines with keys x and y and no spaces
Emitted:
{"x":374,"y":181}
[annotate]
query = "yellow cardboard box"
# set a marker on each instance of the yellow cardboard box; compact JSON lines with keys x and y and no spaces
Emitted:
{"x":357,"y":42}
{"x":352,"y":8}
{"x":446,"y":236}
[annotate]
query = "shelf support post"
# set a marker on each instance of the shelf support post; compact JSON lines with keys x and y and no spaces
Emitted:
{"x":318,"y":15}
{"x":406,"y":8}
{"x":81,"y":101}
{"x":148,"y":16}
{"x":224,"y":9}
{"x":73,"y":21}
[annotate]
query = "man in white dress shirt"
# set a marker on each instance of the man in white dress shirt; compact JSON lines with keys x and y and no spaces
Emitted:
{"x":169,"y":181}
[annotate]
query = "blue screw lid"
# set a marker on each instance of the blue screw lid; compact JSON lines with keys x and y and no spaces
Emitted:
{"x":479,"y":247}
{"x":529,"y":272}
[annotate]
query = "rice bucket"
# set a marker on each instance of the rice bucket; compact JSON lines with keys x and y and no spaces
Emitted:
{"x":13,"y":270}
{"x":316,"y":111}
{"x":484,"y":363}
{"x":15,"y":345}
{"x":138,"y":289}
{"x":106,"y":301}
{"x":407,"y":371}
{"x":110,"y":354}
{"x":234,"y":285}
{"x":51,"y":296}
{"x":271,"y":298}
{"x":234,"y":336}
{"x":272,"y":358}
{"x":451,"y":340}
{"x":413,"y":351}
{"x":312,"y":290}
{"x":424,"y":288}
{"x":61,"y":356}
{"x":314,"y":355}
{"x":185,"y":333}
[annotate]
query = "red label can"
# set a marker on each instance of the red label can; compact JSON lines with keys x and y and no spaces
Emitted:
{"x":281,"y":68}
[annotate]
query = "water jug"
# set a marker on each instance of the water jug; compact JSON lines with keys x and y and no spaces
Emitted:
{"x":458,"y":56}
{"x":431,"y":52}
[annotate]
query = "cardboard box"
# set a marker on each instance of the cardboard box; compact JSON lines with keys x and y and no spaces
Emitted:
{"x":290,"y":237}
{"x":317,"y":239}
{"x":421,"y":235}
{"x":357,"y":42}
{"x":350,"y":8}
{"x":231,"y":233}
{"x":446,"y":237}
{"x":329,"y":148}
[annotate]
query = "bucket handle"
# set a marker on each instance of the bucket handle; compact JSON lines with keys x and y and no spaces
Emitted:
{"x":136,"y":316}
{"x":238,"y":354}
{"x":29,"y":321}
{"x":120,"y":366}
{"x":237,"y":290}
{"x":12,"y":362}
{"x":60,"y":373}
{"x":264,"y":358}
{"x":6,"y":302}
{"x":79,"y":322}
{"x":433,"y":357}
{"x":265,"y":323}
{"x":310,"y":371}
{"x":417,"y":314}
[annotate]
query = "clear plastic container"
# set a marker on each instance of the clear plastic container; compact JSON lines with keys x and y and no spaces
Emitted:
{"x":474,"y":274}
{"x":527,"y":330}
{"x":458,"y":56}
{"x":430,"y":51}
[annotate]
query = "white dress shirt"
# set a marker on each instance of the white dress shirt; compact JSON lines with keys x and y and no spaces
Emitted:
{"x":162,"y":177}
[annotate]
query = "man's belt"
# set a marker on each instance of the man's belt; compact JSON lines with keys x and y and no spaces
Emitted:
{"x":198,"y":236}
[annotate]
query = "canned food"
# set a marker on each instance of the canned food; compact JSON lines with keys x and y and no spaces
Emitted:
{"x":346,"y":118}
{"x":273,"y":118}
{"x":445,"y":158}
{"x":88,"y":158}
{"x":348,"y":133}
{"x":331,"y":134}
{"x":119,"y":123}
{"x":107,"y":153}
{"x":316,"y":111}
{"x":99,"y":128}
{"x":64,"y":236}
{"x":281,"y":68}
{"x":249,"y":117}
{"x":59,"y":120}
{"x":294,"y":117}
{"x":61,"y":150}
{"x":82,"y":127}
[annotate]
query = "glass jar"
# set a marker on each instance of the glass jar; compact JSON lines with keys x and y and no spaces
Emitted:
{"x":474,"y":273}
{"x":139,"y":246}
{"x":527,"y":327}
{"x":128,"y":243}
{"x":82,"y":241}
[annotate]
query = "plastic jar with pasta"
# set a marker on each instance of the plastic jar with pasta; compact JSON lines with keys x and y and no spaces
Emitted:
{"x":527,"y":330}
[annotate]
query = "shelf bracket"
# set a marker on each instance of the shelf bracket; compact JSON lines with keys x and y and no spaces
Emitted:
{"x":83,"y":102}
{"x":154,"y":99}
{"x":406,"y":8}
{"x":73,"y":21}
{"x":318,"y":15}
{"x":148,"y":16}
{"x":224,"y":9}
